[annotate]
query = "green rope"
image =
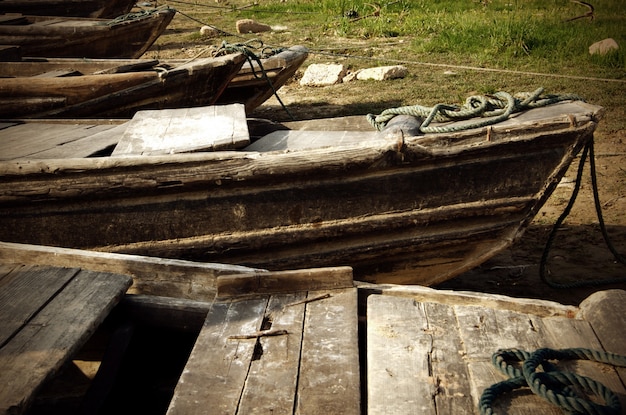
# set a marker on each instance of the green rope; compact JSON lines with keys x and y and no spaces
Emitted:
{"x":557,"y":387}
{"x":247,"y":49}
{"x":487,"y":109}
{"x":543,"y":272}
{"x":135,"y":15}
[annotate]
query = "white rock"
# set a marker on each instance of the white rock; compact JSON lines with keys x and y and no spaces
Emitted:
{"x":603,"y":47}
{"x":383,"y":73}
{"x":251,"y":26}
{"x":319,"y":74}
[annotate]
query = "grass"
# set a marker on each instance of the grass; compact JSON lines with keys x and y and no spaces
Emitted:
{"x":488,"y":45}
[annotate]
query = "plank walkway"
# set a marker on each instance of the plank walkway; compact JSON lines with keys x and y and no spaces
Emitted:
{"x":46,"y":315}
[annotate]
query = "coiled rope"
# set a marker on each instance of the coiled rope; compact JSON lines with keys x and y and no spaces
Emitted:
{"x":136,"y":15}
{"x":557,"y":387}
{"x":488,"y":109}
{"x":247,"y":49}
{"x":543,"y":272}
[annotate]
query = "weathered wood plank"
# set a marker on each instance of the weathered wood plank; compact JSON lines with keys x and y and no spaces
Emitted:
{"x":301,"y":140}
{"x":54,"y":334}
{"x":184,"y":130}
{"x":57,"y":139}
{"x":218,"y":366}
{"x":284,"y":281}
{"x":24,"y":295}
{"x":151,"y":275}
{"x":398,"y":357}
{"x":606,"y":312}
{"x":273,"y":377}
{"x":329,"y":369}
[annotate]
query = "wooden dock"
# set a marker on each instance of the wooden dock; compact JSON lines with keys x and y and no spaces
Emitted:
{"x":314,"y":342}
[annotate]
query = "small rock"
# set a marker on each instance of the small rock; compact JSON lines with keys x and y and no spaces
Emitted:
{"x":382,"y":73}
{"x":251,"y":26}
{"x":603,"y":47}
{"x":209,"y":31}
{"x":319,"y":74}
{"x":351,"y":76}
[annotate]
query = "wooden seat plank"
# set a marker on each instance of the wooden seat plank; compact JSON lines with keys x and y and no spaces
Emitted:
{"x":182,"y":130}
{"x":50,"y":337}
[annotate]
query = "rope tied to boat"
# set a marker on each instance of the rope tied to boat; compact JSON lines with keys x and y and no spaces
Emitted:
{"x":487,"y":109}
{"x":543,"y":270}
{"x":561,"y":388}
{"x":248,"y":50}
{"x":136,"y":15}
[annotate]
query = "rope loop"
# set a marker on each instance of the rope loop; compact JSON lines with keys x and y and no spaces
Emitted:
{"x":247,"y":48}
{"x":487,"y":109}
{"x":560,"y":388}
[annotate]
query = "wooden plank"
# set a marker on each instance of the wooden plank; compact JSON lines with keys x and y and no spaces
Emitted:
{"x":273,"y":377}
{"x":284,"y":281}
{"x":329,"y":368}
{"x":606,"y":313}
{"x":54,"y":334}
{"x":398,"y":352}
{"x":218,"y":366}
{"x":23,"y":296}
{"x":301,"y":140}
{"x":166,"y":312}
{"x":57,"y":73}
{"x":182,"y":130}
{"x":155,"y":276}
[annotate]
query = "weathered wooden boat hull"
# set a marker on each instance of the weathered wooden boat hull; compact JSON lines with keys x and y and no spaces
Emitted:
{"x":251,"y":88}
{"x":112,"y":88}
{"x":397,"y":209}
{"x":72,"y":8}
{"x":84,"y":37}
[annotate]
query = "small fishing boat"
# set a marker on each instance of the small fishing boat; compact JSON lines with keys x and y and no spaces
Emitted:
{"x":395,"y":205}
{"x":105,"y":9}
{"x":259,"y":80}
{"x":68,"y":88}
{"x":127,"y":36}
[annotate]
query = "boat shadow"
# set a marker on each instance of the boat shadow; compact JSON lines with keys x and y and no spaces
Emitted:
{"x":577,"y":255}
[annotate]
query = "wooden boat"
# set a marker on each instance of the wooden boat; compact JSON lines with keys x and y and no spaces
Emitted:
{"x":328,"y":342}
{"x":395,"y":207}
{"x":105,"y":9}
{"x":127,"y":36}
{"x":65,"y":88}
{"x":251,"y":88}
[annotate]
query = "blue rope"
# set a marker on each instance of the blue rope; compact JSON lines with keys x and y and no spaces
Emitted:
{"x":557,"y":387}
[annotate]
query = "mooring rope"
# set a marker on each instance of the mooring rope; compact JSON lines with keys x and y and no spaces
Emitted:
{"x":543,"y":272}
{"x":247,"y":49}
{"x":557,"y":387}
{"x":488,"y":109}
{"x":136,"y":15}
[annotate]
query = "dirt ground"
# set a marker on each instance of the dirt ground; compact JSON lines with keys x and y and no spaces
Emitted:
{"x":579,"y":252}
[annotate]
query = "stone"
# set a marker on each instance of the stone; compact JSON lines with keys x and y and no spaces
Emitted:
{"x":382,"y":73}
{"x":209,"y":31}
{"x":603,"y":47}
{"x":251,"y":26}
{"x":319,"y":74}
